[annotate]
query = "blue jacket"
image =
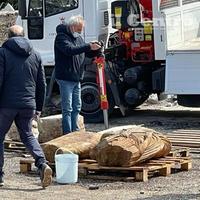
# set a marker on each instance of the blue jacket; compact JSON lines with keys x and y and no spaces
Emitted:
{"x":69,"y":54}
{"x":22,"y":79}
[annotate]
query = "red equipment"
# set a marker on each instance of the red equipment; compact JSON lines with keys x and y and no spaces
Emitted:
{"x":136,"y":35}
{"x":101,"y":81}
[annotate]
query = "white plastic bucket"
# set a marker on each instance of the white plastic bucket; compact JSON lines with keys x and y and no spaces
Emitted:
{"x":66,"y":168}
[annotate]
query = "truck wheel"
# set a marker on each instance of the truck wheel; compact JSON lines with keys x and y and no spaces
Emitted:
{"x":139,"y":102}
{"x":91,"y":100}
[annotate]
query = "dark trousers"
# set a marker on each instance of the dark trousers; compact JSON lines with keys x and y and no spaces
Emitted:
{"x":23,"y":120}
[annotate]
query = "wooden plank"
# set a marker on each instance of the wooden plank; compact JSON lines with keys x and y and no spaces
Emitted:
{"x":186,"y":166}
{"x":162,"y":162}
{"x":26,"y":165}
{"x":183,"y":134}
{"x":173,"y":141}
{"x":184,"y":137}
{"x":89,"y":161}
{"x":181,"y":152}
{"x":15,"y":150}
{"x":175,"y":148}
{"x":166,"y":171}
{"x":12,"y":146}
{"x":13,"y":142}
{"x":172,"y":159}
{"x":185,"y":144}
{"x":95,"y":166}
{"x":25,"y":168}
{"x":186,"y":140}
{"x":178,"y":158}
{"x":195,"y":140}
{"x":186,"y":131}
{"x":26,"y":161}
{"x":159,"y":163}
{"x":142,"y":176}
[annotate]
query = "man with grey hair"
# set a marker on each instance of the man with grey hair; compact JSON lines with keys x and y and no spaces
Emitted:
{"x":22,"y":93}
{"x":69,"y":56}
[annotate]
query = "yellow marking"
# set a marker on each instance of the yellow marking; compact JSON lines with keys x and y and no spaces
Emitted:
{"x":118,"y":11}
{"x":118,"y":23}
{"x":148,"y":37}
{"x":99,"y":65}
{"x":148,"y":28}
{"x":127,"y":35}
{"x":103,"y":97}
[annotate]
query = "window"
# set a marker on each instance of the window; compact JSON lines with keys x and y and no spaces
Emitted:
{"x":35,"y":8}
{"x":169,"y":4}
{"x":53,"y":7}
{"x":35,"y":19}
{"x":190,"y":1}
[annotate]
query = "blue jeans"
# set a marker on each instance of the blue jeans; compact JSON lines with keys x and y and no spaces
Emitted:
{"x":23,"y":120}
{"x":71,"y":104}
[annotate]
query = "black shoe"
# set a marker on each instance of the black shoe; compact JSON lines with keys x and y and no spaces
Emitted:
{"x":1,"y":181}
{"x":45,"y":175}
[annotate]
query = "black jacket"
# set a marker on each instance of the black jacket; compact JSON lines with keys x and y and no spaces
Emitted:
{"x":69,"y":54}
{"x":22,"y":79}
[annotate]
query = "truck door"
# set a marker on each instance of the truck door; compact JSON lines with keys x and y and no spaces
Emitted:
{"x":35,"y":20}
{"x":43,"y":17}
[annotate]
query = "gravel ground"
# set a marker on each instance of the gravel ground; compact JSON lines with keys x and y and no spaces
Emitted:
{"x":178,"y":186}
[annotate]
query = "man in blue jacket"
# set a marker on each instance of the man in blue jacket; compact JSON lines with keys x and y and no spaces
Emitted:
{"x":22,"y":93}
{"x":69,"y":56}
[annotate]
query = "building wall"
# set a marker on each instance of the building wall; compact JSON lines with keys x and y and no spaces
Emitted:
{"x":6,"y":20}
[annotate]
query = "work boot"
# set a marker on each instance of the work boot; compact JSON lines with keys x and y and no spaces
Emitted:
{"x":1,"y":180}
{"x":45,"y":175}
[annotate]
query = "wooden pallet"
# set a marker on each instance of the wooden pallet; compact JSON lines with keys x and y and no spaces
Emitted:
{"x":179,"y":151}
{"x":177,"y":159}
{"x":185,"y":138}
{"x":13,"y":146}
{"x":162,"y":167}
{"x":26,"y":165}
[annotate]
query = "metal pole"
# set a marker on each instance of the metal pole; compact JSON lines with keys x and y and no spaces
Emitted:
{"x":105,"y":117}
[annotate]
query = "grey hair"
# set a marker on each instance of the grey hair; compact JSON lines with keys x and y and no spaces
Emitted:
{"x":15,"y":31}
{"x":75,"y":20}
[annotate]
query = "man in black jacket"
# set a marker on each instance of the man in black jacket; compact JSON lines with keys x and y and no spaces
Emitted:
{"x":69,"y":57}
{"x":22,"y":93}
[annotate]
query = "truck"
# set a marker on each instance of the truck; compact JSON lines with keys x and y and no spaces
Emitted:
{"x":151,"y":46}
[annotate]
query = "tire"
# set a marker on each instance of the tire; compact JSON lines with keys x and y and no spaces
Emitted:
{"x":140,"y":102}
{"x":91,"y":109}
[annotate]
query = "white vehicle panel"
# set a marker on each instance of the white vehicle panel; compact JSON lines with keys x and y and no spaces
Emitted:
{"x":183,"y":72}
{"x":182,"y":76}
{"x":159,"y":31}
{"x":182,"y":24}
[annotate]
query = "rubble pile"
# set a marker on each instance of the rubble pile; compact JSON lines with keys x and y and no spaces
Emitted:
{"x":7,"y":19}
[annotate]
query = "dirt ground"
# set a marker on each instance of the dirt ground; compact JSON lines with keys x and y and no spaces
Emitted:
{"x":179,"y":186}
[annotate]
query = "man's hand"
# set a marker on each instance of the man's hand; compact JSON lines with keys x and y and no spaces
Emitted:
{"x":36,"y":116}
{"x":96,"y":42}
{"x":94,"y":46}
